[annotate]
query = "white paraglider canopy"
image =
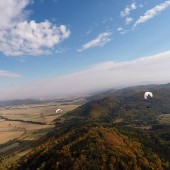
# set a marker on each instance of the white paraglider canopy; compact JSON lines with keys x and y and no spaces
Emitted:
{"x":148,"y":94}
{"x":58,"y":110}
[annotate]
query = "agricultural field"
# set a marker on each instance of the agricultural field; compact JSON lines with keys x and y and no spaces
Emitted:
{"x":22,"y":125}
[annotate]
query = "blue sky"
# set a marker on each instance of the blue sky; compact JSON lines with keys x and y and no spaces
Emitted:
{"x":55,"y":48}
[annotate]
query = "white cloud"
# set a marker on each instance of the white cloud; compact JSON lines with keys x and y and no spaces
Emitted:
{"x":128,"y":20}
{"x":19,"y":37}
{"x":152,"y":12}
{"x":120,"y":29}
{"x":4,"y":73}
{"x":101,"y":40}
{"x":12,"y":12}
{"x":152,"y":69}
{"x":128,"y":9}
{"x":32,"y":38}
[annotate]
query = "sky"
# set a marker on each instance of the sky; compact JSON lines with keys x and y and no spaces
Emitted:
{"x":61,"y":48}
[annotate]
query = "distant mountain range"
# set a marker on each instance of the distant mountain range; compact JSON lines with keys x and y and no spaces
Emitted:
{"x":30,"y":101}
{"x":124,"y":92}
{"x":128,"y":91}
{"x":22,"y":101}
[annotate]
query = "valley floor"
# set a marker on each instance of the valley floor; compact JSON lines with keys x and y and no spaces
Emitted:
{"x":21,"y":127}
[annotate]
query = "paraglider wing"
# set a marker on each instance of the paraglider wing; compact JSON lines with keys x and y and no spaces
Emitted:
{"x":148,"y":94}
{"x":58,"y":110}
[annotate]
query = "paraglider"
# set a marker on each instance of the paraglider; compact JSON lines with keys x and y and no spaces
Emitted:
{"x":58,"y":110}
{"x":148,"y":94}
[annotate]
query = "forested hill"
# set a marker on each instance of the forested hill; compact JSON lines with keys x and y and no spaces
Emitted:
{"x":130,"y":91}
{"x":132,"y":108}
{"x":93,"y":147}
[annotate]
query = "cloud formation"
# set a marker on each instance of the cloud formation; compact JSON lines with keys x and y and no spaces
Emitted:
{"x":128,"y":9}
{"x":12,"y":12}
{"x":101,"y":40}
{"x":19,"y":36}
{"x":121,"y":30}
{"x":4,"y":73}
{"x":152,"y":12}
{"x":128,"y":20}
{"x":145,"y":70}
{"x":126,"y":12}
